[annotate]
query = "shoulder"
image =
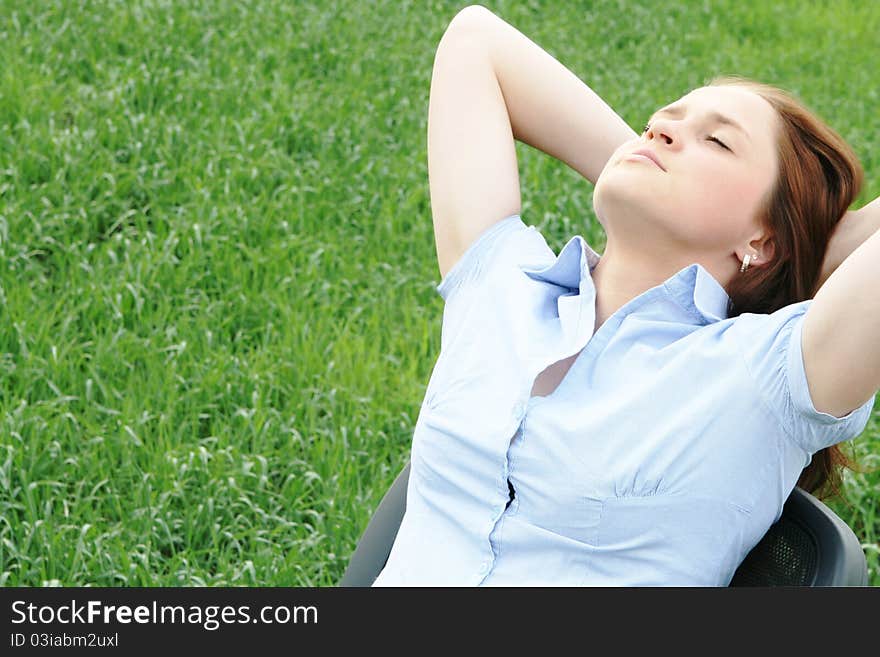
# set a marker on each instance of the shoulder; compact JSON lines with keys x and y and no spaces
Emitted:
{"x":505,"y":243}
{"x":772,"y":349}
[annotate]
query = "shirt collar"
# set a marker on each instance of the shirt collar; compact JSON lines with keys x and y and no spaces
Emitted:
{"x":693,"y":287}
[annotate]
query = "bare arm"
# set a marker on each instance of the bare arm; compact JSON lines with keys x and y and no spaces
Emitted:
{"x":840,"y":348}
{"x":490,"y":86}
{"x":853,"y":228}
{"x":549,"y":107}
{"x":472,"y":166}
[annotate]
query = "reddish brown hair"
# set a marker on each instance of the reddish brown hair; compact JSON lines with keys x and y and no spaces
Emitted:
{"x":819,"y":177}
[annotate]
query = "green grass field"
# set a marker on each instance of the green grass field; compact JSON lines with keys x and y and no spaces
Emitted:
{"x":217,"y":304}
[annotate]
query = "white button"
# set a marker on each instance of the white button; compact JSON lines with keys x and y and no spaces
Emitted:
{"x":519,"y":410}
{"x":484,"y":568}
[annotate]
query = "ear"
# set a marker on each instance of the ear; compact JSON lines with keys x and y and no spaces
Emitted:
{"x":762,"y":250}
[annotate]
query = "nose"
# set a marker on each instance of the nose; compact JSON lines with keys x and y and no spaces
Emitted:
{"x":661,"y":129}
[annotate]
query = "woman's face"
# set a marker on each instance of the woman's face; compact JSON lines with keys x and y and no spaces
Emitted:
{"x":706,"y":197}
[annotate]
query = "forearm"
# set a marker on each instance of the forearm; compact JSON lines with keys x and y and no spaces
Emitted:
{"x":864,"y":223}
{"x":870,"y":217}
{"x":853,"y":230}
{"x":549,"y":107}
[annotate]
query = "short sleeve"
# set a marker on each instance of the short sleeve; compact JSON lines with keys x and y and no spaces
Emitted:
{"x":483,"y":275}
{"x":772,"y":350}
{"x":488,"y":250}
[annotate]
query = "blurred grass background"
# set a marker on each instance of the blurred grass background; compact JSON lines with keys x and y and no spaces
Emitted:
{"x":217,"y":267}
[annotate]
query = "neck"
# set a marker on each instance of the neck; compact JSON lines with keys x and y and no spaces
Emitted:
{"x":620,"y":276}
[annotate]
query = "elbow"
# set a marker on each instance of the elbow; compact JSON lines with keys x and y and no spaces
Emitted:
{"x":469,"y":18}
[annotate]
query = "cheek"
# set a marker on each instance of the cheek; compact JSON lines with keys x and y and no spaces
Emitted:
{"x":742,"y":191}
{"x":722,"y":203}
{"x":727,"y":186}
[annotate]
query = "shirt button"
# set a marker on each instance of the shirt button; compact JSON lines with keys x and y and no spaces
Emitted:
{"x":519,"y":410}
{"x":484,"y":568}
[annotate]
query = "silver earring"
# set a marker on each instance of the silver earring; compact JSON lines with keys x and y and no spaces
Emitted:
{"x":746,"y":259}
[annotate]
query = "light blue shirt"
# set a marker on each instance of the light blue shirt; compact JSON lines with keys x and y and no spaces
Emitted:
{"x":661,"y":459}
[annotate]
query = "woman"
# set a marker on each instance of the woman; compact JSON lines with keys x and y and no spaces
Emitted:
{"x":640,"y":417}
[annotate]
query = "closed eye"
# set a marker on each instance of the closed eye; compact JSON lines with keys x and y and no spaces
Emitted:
{"x":719,"y":141}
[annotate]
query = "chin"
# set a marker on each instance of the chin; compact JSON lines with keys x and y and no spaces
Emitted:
{"x":614,"y":202}
{"x":597,"y":202}
{"x":611,"y":194}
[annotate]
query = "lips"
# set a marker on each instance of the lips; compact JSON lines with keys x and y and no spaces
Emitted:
{"x":650,"y":155}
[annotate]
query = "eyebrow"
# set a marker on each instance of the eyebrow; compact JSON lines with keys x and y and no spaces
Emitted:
{"x":678,"y":110}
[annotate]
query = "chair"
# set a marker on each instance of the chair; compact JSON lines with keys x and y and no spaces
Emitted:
{"x":808,"y":546}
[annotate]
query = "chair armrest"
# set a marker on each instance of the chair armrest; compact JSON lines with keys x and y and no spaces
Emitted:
{"x":372,"y":551}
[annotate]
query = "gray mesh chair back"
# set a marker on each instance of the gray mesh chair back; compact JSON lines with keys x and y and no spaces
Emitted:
{"x":808,"y":546}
